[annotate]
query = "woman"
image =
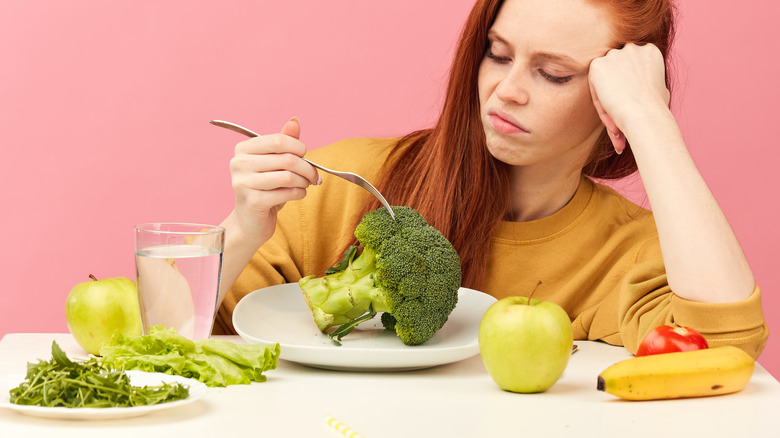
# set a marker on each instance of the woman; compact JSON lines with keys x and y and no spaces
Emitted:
{"x":544,"y":95}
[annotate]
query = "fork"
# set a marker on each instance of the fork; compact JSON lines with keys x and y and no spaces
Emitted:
{"x":349,"y":176}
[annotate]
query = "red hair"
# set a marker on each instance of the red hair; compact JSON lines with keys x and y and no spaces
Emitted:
{"x":447,"y":173}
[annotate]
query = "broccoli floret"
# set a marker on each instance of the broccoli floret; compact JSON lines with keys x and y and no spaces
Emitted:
{"x":406,"y":270}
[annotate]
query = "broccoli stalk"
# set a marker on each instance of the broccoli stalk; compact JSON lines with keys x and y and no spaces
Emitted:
{"x":406,"y":270}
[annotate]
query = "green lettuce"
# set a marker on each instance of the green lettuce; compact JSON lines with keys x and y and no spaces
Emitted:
{"x":214,"y":362}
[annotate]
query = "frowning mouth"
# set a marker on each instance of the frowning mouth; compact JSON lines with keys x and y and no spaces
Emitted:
{"x":505,"y":123}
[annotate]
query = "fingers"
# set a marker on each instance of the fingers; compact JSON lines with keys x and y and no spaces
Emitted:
{"x":264,"y":193}
{"x":615,"y":134}
{"x":292,"y":128}
{"x":624,"y":84}
{"x":618,"y":141}
{"x":275,"y":152}
{"x":631,"y":76}
{"x":271,"y":154}
{"x":268,"y":171}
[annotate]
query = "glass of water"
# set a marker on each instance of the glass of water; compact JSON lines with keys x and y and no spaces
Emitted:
{"x":178,"y":271}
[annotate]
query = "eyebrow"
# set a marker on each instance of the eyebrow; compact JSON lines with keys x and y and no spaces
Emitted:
{"x":556,"y":57}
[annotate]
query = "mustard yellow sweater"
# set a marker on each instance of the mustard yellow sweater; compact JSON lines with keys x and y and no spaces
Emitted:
{"x":598,"y":257}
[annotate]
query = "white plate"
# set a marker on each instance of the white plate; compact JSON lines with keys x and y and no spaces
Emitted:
{"x":278,"y":314}
{"x":137,"y":378}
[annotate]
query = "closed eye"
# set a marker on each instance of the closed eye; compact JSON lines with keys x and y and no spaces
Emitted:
{"x":555,"y":79}
{"x":500,"y":59}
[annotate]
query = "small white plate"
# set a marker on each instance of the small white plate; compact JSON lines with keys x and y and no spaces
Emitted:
{"x":278,"y":314}
{"x":137,"y":378}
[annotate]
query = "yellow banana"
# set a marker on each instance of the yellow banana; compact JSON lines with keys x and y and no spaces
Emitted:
{"x":699,"y":373}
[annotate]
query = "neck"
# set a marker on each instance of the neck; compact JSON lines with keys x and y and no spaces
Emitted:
{"x":538,"y":197}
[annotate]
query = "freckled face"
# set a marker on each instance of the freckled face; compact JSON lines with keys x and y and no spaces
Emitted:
{"x":535,"y":101}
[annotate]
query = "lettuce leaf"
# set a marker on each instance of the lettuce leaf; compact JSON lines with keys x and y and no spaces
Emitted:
{"x":214,"y":362}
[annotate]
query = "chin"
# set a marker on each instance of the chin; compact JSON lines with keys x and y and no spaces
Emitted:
{"x":503,"y":150}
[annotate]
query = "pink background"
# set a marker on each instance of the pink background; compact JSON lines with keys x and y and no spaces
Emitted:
{"x":104,"y":110}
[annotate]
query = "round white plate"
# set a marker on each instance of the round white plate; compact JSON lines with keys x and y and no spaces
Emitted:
{"x":278,"y":314}
{"x":137,"y":378}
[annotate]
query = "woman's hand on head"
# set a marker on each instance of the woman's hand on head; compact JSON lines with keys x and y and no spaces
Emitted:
{"x":626,"y":83}
{"x":266,"y":172}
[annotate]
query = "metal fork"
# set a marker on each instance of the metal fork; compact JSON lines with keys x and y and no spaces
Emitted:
{"x":349,"y":176}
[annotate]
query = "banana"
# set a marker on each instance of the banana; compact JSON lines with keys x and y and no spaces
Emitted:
{"x":698,"y":373}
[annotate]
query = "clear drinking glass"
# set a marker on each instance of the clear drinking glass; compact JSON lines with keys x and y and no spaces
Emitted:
{"x":178,"y":271}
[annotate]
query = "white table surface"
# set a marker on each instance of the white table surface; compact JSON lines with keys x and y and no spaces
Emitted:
{"x":455,"y":400}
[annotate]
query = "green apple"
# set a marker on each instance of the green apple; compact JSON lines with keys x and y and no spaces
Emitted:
{"x":525,"y":343}
{"x":96,"y":309}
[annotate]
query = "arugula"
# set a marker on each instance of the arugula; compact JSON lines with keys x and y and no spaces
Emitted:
{"x":63,"y":382}
{"x":214,"y":362}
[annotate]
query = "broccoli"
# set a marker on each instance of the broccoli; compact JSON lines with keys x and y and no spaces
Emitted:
{"x":407,"y":269}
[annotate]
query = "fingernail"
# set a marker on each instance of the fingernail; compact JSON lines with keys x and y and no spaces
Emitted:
{"x":295,"y":119}
{"x":319,"y":179}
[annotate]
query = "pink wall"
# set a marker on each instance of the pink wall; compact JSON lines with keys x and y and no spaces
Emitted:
{"x":104,"y":110}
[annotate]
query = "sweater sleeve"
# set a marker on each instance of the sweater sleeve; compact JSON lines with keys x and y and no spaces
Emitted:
{"x":646,"y":301}
{"x":278,"y":261}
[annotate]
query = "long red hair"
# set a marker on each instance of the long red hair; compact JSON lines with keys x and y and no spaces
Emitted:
{"x":447,"y":173}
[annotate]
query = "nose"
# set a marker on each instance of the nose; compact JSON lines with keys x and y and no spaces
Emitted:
{"x":513,"y":87}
